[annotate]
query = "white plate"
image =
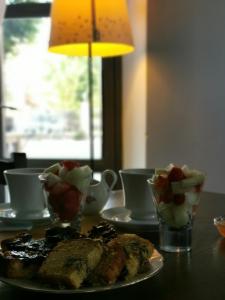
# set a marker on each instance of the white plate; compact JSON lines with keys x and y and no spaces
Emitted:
{"x":9,"y":216}
{"x":156,"y":262}
{"x":120,"y":217}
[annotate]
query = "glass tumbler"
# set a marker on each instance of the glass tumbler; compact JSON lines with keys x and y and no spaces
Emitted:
{"x":176,"y":214}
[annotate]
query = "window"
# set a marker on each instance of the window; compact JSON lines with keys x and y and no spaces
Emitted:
{"x":46,"y":96}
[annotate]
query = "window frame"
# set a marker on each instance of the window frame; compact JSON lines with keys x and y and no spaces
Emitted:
{"x":111,"y":89}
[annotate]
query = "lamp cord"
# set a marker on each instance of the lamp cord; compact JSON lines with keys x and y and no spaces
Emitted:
{"x":95,"y":32}
{"x":91,"y":86}
{"x":91,"y":105}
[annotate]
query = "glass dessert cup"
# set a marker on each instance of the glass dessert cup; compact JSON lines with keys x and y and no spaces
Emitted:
{"x":65,"y":204}
{"x":219,"y":222}
{"x":176,"y":216}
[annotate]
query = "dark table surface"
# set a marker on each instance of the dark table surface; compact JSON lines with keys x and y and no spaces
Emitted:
{"x":199,"y":274}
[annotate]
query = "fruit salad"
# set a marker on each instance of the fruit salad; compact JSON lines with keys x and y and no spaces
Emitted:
{"x":176,"y":193}
{"x":66,"y":184}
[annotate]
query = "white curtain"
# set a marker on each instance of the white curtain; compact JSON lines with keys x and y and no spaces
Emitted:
{"x":2,"y":10}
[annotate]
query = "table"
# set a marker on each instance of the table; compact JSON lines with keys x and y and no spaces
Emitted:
{"x":199,"y":274}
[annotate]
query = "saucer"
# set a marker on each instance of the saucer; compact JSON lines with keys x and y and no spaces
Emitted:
{"x":120,"y":217}
{"x":9,"y":216}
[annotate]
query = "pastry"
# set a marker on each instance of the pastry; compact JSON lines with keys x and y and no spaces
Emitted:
{"x":137,"y":250}
{"x":70,"y":262}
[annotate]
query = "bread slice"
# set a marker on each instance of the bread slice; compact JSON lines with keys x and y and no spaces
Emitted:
{"x":70,"y":262}
{"x":110,"y":266}
{"x":137,"y":249}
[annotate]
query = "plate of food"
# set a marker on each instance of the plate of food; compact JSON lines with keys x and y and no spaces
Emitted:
{"x":66,"y":262}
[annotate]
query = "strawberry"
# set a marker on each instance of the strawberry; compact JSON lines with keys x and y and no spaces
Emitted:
{"x":64,"y":200}
{"x":162,"y":184}
{"x":70,"y":165}
{"x":60,"y":188}
{"x":176,"y":174}
{"x":55,"y":202}
{"x":179,"y":199}
{"x":71,"y":204}
{"x":166,"y":198}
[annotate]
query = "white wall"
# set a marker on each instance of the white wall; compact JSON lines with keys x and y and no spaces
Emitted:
{"x":135,"y":90}
{"x":2,"y":10}
{"x":186,"y":80}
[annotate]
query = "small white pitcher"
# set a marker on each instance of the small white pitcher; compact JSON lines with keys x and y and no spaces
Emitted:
{"x":98,"y":193}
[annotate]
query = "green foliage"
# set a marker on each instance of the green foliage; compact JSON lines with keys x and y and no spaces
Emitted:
{"x":18,"y":1}
{"x":68,"y":82}
{"x":18,"y":30}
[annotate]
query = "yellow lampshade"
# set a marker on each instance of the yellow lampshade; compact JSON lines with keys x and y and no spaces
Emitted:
{"x":102,"y":24}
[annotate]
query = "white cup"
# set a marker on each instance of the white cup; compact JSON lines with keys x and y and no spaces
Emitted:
{"x":137,"y":194}
{"x":25,"y":191}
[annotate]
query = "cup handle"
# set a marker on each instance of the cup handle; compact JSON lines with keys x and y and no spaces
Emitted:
{"x":114,"y":178}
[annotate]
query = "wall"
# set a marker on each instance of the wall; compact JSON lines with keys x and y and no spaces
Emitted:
{"x":186,"y":86}
{"x":135,"y":90}
{"x":2,"y":10}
